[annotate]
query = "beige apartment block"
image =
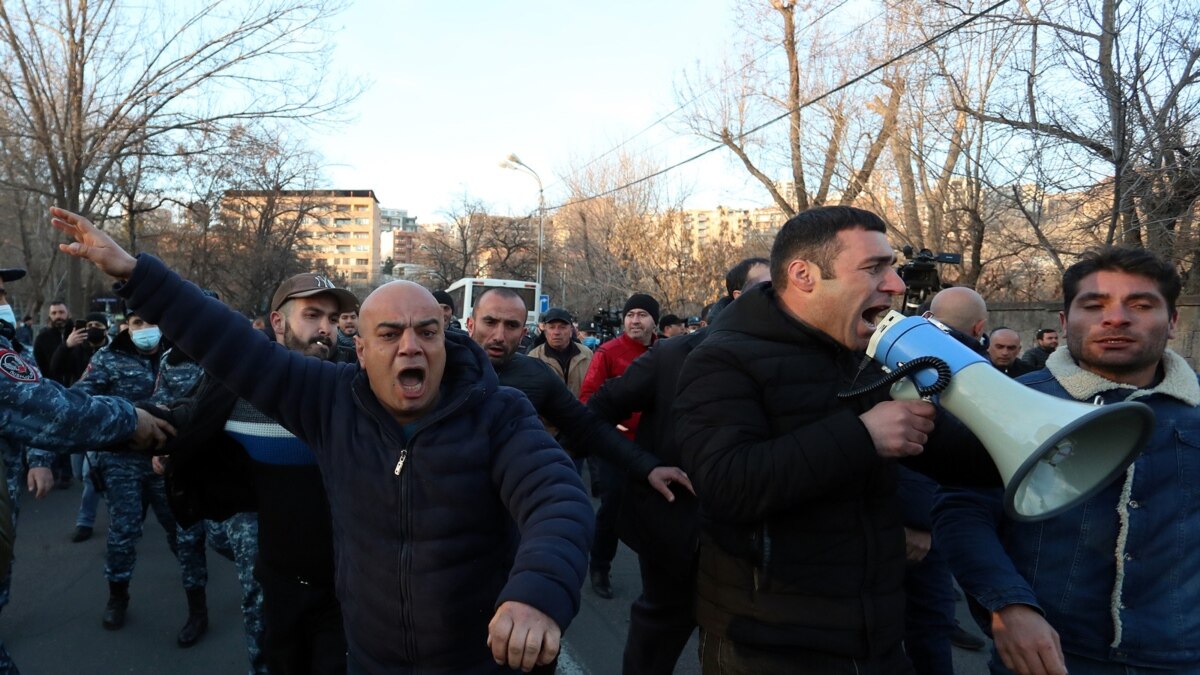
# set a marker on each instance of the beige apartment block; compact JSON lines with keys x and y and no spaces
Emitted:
{"x":338,"y":230}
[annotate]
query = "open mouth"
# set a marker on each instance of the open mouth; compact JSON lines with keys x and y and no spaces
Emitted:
{"x":412,"y":381}
{"x":873,"y":315}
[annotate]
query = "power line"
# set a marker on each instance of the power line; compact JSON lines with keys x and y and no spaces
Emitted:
{"x":845,"y":85}
{"x":723,"y":80}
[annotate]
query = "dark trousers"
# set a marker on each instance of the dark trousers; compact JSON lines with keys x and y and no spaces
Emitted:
{"x":661,"y":620}
{"x":612,"y":488}
{"x":928,"y":586}
{"x":302,"y":625}
{"x":724,"y":657}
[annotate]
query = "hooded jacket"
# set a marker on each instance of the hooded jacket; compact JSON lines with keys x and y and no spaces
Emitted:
{"x":802,"y":543}
{"x":484,"y":507}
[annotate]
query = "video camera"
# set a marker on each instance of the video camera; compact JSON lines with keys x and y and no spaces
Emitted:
{"x":920,"y":275}
{"x":608,"y":323}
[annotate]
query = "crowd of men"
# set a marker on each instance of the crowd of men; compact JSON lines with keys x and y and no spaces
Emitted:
{"x":401,"y":494}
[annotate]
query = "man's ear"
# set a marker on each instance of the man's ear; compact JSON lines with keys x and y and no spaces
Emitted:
{"x":803,"y":274}
{"x":1171,"y":325}
{"x":277,"y":324}
{"x":471,"y":325}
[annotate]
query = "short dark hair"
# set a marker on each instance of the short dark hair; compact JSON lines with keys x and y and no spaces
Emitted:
{"x":735,"y":278}
{"x":501,"y":292}
{"x":57,"y":301}
{"x":1127,"y":259}
{"x":812,"y":235}
{"x":669,"y":320}
{"x":1041,"y":332}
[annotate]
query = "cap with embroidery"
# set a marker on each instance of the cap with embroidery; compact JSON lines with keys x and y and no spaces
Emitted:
{"x":307,"y":285}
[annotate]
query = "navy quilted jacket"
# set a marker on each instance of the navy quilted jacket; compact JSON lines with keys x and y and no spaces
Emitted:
{"x":487,"y":508}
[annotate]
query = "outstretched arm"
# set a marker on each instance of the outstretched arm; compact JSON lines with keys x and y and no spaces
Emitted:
{"x":272,"y":378}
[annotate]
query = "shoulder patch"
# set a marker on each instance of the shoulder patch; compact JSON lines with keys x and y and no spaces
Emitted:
{"x":14,"y":367}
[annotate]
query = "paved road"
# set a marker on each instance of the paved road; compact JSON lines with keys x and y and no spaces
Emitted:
{"x":52,"y":624}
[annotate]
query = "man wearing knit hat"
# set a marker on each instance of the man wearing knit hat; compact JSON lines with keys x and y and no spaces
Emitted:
{"x":640,"y":317}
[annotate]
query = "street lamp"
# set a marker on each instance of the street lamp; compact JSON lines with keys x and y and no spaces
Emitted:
{"x":513,"y":162}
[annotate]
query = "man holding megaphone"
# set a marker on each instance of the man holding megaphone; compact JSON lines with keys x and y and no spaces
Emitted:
{"x":801,"y":561}
{"x":1112,"y":586}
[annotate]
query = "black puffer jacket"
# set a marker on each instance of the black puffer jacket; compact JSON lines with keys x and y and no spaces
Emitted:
{"x":802,"y":543}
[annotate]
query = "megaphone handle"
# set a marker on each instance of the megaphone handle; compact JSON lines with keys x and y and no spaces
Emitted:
{"x":920,"y":363}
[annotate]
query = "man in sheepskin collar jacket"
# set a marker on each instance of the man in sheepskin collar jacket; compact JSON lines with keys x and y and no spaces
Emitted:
{"x":1114,"y":583}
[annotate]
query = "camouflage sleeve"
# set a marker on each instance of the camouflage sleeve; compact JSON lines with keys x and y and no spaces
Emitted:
{"x":36,"y":458}
{"x":97,"y":379}
{"x":44,"y":414}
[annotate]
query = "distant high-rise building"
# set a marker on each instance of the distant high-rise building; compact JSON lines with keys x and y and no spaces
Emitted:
{"x":403,"y":229}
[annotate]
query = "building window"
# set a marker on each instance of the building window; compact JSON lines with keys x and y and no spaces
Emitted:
{"x":343,"y":249}
{"x":323,"y":221}
{"x":341,"y":221}
{"x":362,"y":261}
{"x":358,"y":275}
{"x":361,"y":207}
{"x":341,"y":235}
{"x":341,"y":207}
{"x":362,"y":221}
{"x":361,"y":248}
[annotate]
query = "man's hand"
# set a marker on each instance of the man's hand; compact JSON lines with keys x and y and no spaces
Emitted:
{"x":77,"y":337}
{"x":151,"y":432}
{"x":899,"y":428}
{"x":661,"y":477}
{"x":39,"y":480}
{"x":522,"y":637}
{"x":158,"y":464}
{"x":916,"y":544}
{"x":92,"y":244}
{"x":1026,"y":643}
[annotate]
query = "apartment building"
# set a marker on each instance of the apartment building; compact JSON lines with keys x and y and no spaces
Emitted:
{"x":338,"y":230}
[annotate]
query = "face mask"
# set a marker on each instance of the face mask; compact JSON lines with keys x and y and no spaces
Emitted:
{"x":591,"y":342}
{"x":95,"y":335}
{"x":6,"y":314}
{"x":146,"y":339}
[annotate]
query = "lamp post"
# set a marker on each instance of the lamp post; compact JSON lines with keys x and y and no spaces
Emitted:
{"x":513,"y":162}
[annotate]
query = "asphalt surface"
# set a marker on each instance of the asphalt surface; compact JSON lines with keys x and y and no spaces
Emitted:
{"x":52,"y":624}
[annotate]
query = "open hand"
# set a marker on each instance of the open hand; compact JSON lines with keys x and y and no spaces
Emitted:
{"x":92,"y":244}
{"x":661,"y":477}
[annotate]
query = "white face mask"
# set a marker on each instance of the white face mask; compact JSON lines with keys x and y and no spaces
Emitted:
{"x":6,"y":314}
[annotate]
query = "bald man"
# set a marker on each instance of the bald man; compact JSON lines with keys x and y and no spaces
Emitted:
{"x":1004,"y":348}
{"x":451,"y":504}
{"x":962,"y":309}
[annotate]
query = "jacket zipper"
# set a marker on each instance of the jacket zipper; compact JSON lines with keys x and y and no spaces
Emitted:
{"x":400,"y":462}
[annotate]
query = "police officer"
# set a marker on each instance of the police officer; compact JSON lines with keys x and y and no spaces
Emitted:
{"x":235,"y":538}
{"x":38,"y":412}
{"x":127,"y":368}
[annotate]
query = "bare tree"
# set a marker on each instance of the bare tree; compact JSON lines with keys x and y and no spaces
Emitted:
{"x":452,"y":250}
{"x":88,"y":84}
{"x":253,"y":198}
{"x":839,"y":139}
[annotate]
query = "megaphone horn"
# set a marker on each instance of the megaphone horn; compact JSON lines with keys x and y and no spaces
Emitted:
{"x":1051,"y":452}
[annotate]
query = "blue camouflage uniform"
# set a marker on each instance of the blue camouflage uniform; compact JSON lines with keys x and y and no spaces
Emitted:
{"x":236,"y":538}
{"x":120,"y":370}
{"x":38,"y":412}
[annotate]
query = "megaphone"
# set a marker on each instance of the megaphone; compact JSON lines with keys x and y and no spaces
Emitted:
{"x":1052,"y":453}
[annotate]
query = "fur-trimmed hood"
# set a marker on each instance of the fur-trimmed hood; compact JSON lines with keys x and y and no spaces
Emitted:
{"x":1179,"y":381}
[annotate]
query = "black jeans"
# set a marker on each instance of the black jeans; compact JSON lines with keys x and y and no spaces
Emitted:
{"x":724,"y":657}
{"x":302,"y":627}
{"x":661,"y":620}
